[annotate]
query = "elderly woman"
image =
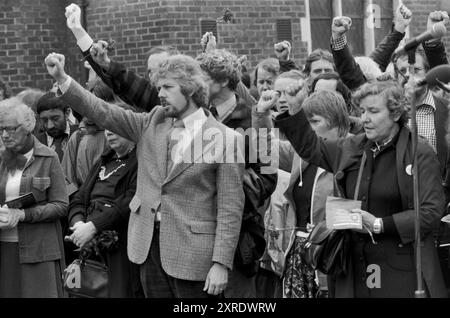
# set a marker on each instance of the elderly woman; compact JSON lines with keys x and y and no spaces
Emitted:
{"x":101,"y":204}
{"x":31,"y":254}
{"x":385,"y":269}
{"x":309,"y":186}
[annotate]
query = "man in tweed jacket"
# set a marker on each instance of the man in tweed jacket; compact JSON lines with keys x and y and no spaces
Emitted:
{"x":185,"y":221}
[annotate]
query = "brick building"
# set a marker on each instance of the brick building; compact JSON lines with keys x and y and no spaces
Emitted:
{"x":30,"y":29}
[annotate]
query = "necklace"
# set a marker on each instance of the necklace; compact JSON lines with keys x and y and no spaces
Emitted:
{"x":102,"y":176}
{"x":376,"y":150}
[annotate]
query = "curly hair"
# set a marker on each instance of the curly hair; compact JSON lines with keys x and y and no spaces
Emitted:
{"x":331,"y":106}
{"x":270,"y":65}
{"x":317,"y":55}
{"x":169,"y":49}
{"x":221,"y":65}
{"x":16,"y":108}
{"x":30,"y":97}
{"x":189,"y":75}
{"x":393,"y":95}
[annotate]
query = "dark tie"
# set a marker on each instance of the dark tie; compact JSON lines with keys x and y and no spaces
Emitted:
{"x":57,"y":142}
{"x":214,"y":112}
{"x":171,"y":142}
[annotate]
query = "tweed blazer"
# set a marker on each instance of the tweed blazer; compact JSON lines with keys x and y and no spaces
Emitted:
{"x":201,"y":203}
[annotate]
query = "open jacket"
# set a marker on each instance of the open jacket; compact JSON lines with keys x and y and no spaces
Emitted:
{"x":282,"y":220}
{"x":115,"y":217}
{"x":40,"y":233}
{"x":343,"y":155}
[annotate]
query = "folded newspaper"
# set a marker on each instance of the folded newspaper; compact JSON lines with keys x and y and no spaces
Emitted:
{"x":339,"y":215}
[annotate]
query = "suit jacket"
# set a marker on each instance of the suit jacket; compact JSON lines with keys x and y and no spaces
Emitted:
{"x":200,"y":203}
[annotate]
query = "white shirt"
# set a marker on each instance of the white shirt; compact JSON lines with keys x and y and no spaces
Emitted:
{"x":192,"y":127}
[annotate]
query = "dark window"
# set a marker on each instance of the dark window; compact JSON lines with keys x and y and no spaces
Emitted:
{"x":354,"y":9}
{"x":321,"y":14}
{"x":284,"y":30}
{"x":208,"y":26}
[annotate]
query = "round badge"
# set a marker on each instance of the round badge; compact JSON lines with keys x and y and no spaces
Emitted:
{"x":409,"y":170}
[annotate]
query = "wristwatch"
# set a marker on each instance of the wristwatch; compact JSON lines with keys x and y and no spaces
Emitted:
{"x":377,"y":226}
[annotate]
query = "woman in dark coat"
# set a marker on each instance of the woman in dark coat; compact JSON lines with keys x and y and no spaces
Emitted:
{"x":101,"y":204}
{"x":385,"y":269}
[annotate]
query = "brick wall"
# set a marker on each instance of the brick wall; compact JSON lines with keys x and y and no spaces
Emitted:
{"x":139,"y":24}
{"x":29,"y":30}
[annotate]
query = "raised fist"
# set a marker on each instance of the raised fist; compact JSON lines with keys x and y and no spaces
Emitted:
{"x":402,"y":19}
{"x":73,"y":15}
{"x":340,"y":26}
{"x":208,"y":42}
{"x":437,"y":17}
{"x":283,"y":50}
{"x":99,"y":52}
{"x":55,"y":67}
{"x":267,"y":100}
{"x":296,"y":93}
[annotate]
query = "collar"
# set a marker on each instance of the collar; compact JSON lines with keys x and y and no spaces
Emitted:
{"x":41,"y":150}
{"x":428,"y":100}
{"x":195,"y":120}
{"x":226,"y":108}
{"x":376,"y":149}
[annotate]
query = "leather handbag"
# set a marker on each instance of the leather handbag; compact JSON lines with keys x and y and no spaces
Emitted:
{"x":327,"y":250}
{"x":87,"y":278}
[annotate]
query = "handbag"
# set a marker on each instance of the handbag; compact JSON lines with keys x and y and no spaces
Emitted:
{"x":87,"y":278}
{"x":327,"y":250}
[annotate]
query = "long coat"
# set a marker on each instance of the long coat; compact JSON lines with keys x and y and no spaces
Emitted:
{"x":345,"y":155}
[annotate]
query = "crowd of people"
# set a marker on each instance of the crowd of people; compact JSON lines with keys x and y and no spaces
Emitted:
{"x":205,"y":179}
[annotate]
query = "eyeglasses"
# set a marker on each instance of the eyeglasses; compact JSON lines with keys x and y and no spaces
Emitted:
{"x":9,"y":130}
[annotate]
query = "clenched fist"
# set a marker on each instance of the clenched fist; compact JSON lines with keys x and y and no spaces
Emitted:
{"x":55,"y":67}
{"x":99,"y":52}
{"x":208,"y":42}
{"x":295,"y":95}
{"x":402,"y":19}
{"x":340,"y":26}
{"x":283,"y":50}
{"x":267,"y":100}
{"x":73,"y":15}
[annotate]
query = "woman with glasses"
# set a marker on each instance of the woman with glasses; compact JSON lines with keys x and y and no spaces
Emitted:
{"x":31,"y":254}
